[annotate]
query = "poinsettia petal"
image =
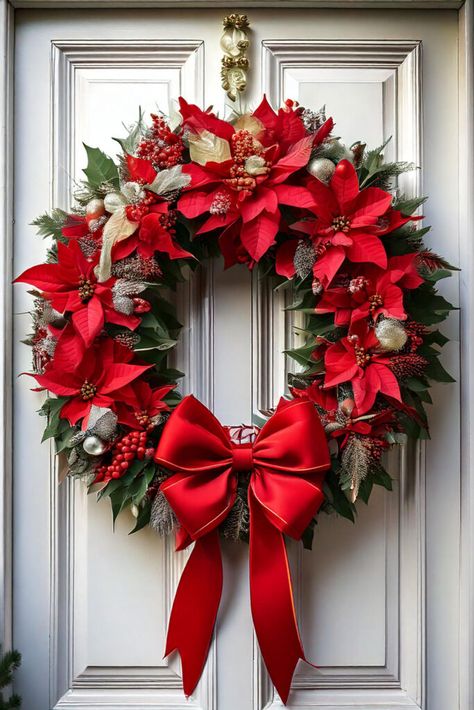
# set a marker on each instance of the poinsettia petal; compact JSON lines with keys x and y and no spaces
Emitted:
{"x":367,"y":248}
{"x":289,"y":127}
{"x":297,"y":157}
{"x":325,"y":202}
{"x":194,"y":203}
{"x":58,"y":384}
{"x":140,"y":169}
{"x":370,"y":204}
{"x":345,"y":184}
{"x":388,"y":381}
{"x":118,"y":374}
{"x":69,"y":352}
{"x":323,"y":132}
{"x":218,"y":221}
{"x":294,"y":195}
{"x":262,"y":199}
{"x":284,"y":263}
{"x":46,"y":277}
{"x":199,"y":120}
{"x":89,"y":321}
{"x":403,"y":270}
{"x":327,"y":266}
{"x":75,"y":409}
{"x":365,"y":389}
{"x":340,"y":364}
{"x":265,"y":114}
{"x":258,"y":235}
{"x":113,"y":316}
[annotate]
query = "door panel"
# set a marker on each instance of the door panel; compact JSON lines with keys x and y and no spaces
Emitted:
{"x":91,"y":605}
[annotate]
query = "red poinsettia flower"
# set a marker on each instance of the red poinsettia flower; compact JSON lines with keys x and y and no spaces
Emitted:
{"x":326,"y":399}
{"x":241,"y":181}
{"x":155,"y":230}
{"x":141,"y":404}
{"x":71,"y":287}
{"x":357,"y":359}
{"x":348,"y":225}
{"x":95,"y":378}
{"x":372,"y":292}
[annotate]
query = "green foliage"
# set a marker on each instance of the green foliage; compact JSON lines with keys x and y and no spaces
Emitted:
{"x":57,"y":428}
{"x":9,"y":662}
{"x":374,"y":172}
{"x":101,"y":170}
{"x":131,"y":489}
{"x":50,"y":225}
{"x":135,"y":133}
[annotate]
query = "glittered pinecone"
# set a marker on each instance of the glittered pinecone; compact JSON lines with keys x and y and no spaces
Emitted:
{"x":304,"y":258}
{"x":236,"y":524}
{"x":313,"y":120}
{"x":162,"y":517}
{"x":137,"y":268}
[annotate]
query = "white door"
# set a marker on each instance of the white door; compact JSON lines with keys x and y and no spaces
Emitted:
{"x":378,"y":602}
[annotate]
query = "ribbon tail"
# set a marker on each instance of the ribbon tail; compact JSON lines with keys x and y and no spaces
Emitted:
{"x":195,"y":609}
{"x":271,"y":596}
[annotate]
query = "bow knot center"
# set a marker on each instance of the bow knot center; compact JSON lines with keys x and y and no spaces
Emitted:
{"x":242,"y":458}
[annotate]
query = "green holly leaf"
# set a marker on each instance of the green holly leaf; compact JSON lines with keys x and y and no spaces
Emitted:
{"x":100,"y":169}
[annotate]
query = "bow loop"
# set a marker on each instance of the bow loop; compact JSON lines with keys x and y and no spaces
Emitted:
{"x":291,"y":458}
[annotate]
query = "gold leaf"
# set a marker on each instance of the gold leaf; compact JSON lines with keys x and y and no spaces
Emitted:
{"x":206,"y":147}
{"x":116,"y":229}
{"x":250,"y":123}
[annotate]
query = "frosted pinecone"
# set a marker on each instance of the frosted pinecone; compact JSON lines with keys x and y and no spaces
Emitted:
{"x":313,"y":120}
{"x":304,"y":258}
{"x":162,"y":517}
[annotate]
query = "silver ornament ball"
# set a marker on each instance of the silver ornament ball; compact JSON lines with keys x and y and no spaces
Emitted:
{"x":391,"y":334}
{"x":113,"y":201}
{"x":321,"y":168}
{"x":95,"y":208}
{"x":93,"y":446}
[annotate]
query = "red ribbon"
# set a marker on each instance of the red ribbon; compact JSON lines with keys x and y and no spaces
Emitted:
{"x":287,"y":462}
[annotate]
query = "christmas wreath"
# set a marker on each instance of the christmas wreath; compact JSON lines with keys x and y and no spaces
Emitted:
{"x":268,"y":189}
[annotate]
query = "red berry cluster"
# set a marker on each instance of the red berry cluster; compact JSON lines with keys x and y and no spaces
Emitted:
{"x":135,"y":213}
{"x":415,"y":332}
{"x":243,"y":146}
{"x":162,"y":147}
{"x":131,"y":446}
{"x":40,"y":357}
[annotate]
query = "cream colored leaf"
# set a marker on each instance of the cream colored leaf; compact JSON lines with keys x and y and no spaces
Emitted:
{"x":250,"y":123}
{"x":206,"y":147}
{"x":116,"y":229}
{"x":170,"y":180}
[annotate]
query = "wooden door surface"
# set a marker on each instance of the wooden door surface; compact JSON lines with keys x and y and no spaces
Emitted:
{"x":378,"y":602}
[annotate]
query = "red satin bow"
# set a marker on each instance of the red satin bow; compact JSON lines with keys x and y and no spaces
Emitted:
{"x":287,"y":463}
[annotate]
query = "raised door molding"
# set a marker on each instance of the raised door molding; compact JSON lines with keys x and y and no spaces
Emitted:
{"x":74,"y":684}
{"x":399,"y":682}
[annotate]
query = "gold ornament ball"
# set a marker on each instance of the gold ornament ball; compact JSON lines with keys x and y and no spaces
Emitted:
{"x":95,"y":209}
{"x":113,"y":201}
{"x":93,"y":446}
{"x":391,"y":334}
{"x":321,"y":168}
